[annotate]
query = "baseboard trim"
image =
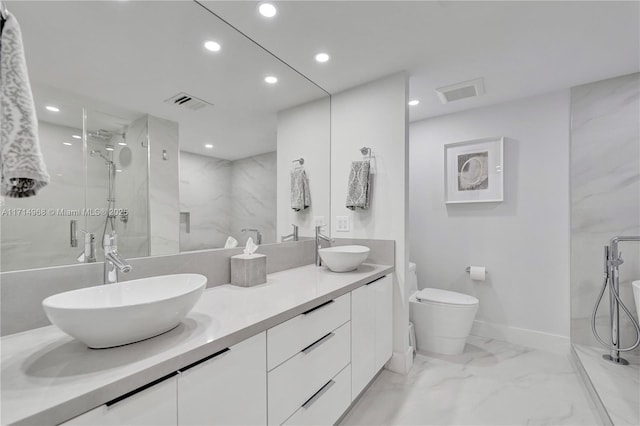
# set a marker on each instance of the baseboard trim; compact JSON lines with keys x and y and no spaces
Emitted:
{"x":521,"y":336}
{"x":400,"y":363}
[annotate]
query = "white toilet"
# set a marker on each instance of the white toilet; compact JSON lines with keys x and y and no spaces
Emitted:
{"x":442,"y":319}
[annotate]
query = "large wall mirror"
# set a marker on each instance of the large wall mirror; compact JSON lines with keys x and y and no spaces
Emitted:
{"x":174,"y":146}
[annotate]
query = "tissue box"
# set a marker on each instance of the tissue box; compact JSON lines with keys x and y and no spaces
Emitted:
{"x":248,"y":269}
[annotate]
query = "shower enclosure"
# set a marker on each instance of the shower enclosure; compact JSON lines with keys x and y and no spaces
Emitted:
{"x":605,"y":211}
{"x":98,"y":164}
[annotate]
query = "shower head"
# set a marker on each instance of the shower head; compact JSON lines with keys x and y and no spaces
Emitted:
{"x":95,"y":152}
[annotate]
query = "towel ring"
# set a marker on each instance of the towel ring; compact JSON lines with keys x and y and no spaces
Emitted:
{"x":366,"y":152}
{"x":299,"y":160}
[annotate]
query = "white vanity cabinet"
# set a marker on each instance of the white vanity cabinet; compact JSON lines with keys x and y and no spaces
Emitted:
{"x":227,"y":388}
{"x":308,"y":355}
{"x":371,"y":331}
{"x":151,"y":405}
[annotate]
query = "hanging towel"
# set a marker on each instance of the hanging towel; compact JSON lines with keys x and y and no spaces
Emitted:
{"x":300,"y":195}
{"x":358,"y":189}
{"x":23,"y":170}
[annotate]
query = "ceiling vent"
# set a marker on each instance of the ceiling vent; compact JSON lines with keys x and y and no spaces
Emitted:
{"x":466,"y":89}
{"x":188,"y":101}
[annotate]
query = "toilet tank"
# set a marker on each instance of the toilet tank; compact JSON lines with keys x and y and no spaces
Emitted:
{"x":412,"y":279}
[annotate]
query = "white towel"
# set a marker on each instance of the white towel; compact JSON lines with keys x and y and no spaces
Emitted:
{"x":23,"y":170}
{"x":300,"y":195}
{"x":358,"y":188}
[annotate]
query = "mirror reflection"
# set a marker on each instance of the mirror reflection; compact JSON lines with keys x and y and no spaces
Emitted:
{"x":165,"y":134}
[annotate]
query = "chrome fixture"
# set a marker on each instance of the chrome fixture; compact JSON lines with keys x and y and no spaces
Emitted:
{"x":73,"y":233}
{"x":366,"y":152}
{"x":89,"y":253}
{"x":320,"y":236}
{"x":293,"y":236}
{"x":258,"y":234}
{"x":111,"y":190}
{"x":113,"y":261}
{"x":612,"y":262}
{"x":299,"y":160}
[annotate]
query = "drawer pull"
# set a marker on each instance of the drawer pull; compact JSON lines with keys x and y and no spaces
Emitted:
{"x":377,"y":279}
{"x":140,"y":389}
{"x":318,"y":307}
{"x":215,"y":355}
{"x":317,"y":343}
{"x":318,"y":394}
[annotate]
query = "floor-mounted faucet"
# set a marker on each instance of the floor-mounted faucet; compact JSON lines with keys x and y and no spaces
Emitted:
{"x":319,"y":237}
{"x":113,"y":261}
{"x":293,"y":236}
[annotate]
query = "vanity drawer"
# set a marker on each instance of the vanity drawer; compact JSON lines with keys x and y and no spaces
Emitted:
{"x":299,"y":378}
{"x":288,"y":338}
{"x":328,"y":404}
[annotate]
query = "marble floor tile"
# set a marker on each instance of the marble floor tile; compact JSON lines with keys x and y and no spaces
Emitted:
{"x":618,"y":386}
{"x":491,"y":383}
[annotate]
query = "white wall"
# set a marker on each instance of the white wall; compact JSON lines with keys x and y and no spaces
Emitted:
{"x":523,"y":241}
{"x":303,"y":131}
{"x":375,"y":115}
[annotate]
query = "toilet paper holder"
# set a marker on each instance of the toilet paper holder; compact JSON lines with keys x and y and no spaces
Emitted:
{"x":468,"y":269}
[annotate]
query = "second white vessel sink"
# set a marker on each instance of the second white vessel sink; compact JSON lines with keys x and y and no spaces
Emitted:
{"x":117,"y":314}
{"x":343,"y":258}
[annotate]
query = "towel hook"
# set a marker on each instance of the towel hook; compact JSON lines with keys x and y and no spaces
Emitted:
{"x":299,"y":160}
{"x":366,"y":151}
{"x":4,"y":13}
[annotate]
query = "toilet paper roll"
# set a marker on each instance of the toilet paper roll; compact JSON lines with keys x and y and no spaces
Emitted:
{"x":478,"y":273}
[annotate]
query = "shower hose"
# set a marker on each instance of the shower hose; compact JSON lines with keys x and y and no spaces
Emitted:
{"x":626,"y":311}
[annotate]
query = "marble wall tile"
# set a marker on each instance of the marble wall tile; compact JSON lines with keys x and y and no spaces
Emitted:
{"x":205,"y":186}
{"x":164,"y":197}
{"x":605,"y":196}
{"x":253,"y":196}
{"x":222,"y":197}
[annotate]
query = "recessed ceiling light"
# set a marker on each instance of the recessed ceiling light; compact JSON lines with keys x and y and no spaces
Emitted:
{"x":267,"y":10}
{"x":52,"y":108}
{"x":208,"y":146}
{"x":212,"y":46}
{"x":67,"y":143}
{"x":271,"y":79}
{"x":122,"y":143}
{"x":76,"y":136}
{"x":322,"y":57}
{"x":109,"y":148}
{"x":413,"y":102}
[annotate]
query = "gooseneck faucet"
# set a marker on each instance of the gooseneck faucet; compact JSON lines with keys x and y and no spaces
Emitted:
{"x":258,"y":234}
{"x":113,"y":261}
{"x":320,"y":236}
{"x":293,"y":236}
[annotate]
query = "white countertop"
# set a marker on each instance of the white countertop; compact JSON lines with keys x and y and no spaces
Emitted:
{"x":48,"y":377}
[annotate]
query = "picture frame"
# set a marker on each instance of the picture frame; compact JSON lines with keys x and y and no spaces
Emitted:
{"x":474,"y":171}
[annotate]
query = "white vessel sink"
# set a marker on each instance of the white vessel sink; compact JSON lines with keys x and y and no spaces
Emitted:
{"x":343,"y":258}
{"x":116,"y":314}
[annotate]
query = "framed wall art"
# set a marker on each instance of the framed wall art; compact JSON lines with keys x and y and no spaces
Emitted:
{"x":473,"y":171}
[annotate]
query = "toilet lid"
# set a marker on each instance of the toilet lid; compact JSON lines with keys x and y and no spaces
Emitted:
{"x":444,"y":296}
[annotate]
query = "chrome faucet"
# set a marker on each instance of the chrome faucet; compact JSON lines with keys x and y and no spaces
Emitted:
{"x":258,"y":234}
{"x":293,"y":236}
{"x":113,"y":261}
{"x":319,"y":237}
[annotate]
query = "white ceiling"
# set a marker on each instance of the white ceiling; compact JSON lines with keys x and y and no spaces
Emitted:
{"x":520,"y":48}
{"x":125,"y":58}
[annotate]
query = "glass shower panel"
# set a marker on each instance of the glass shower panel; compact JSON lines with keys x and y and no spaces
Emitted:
{"x":36,"y":230}
{"x":117,"y":190}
